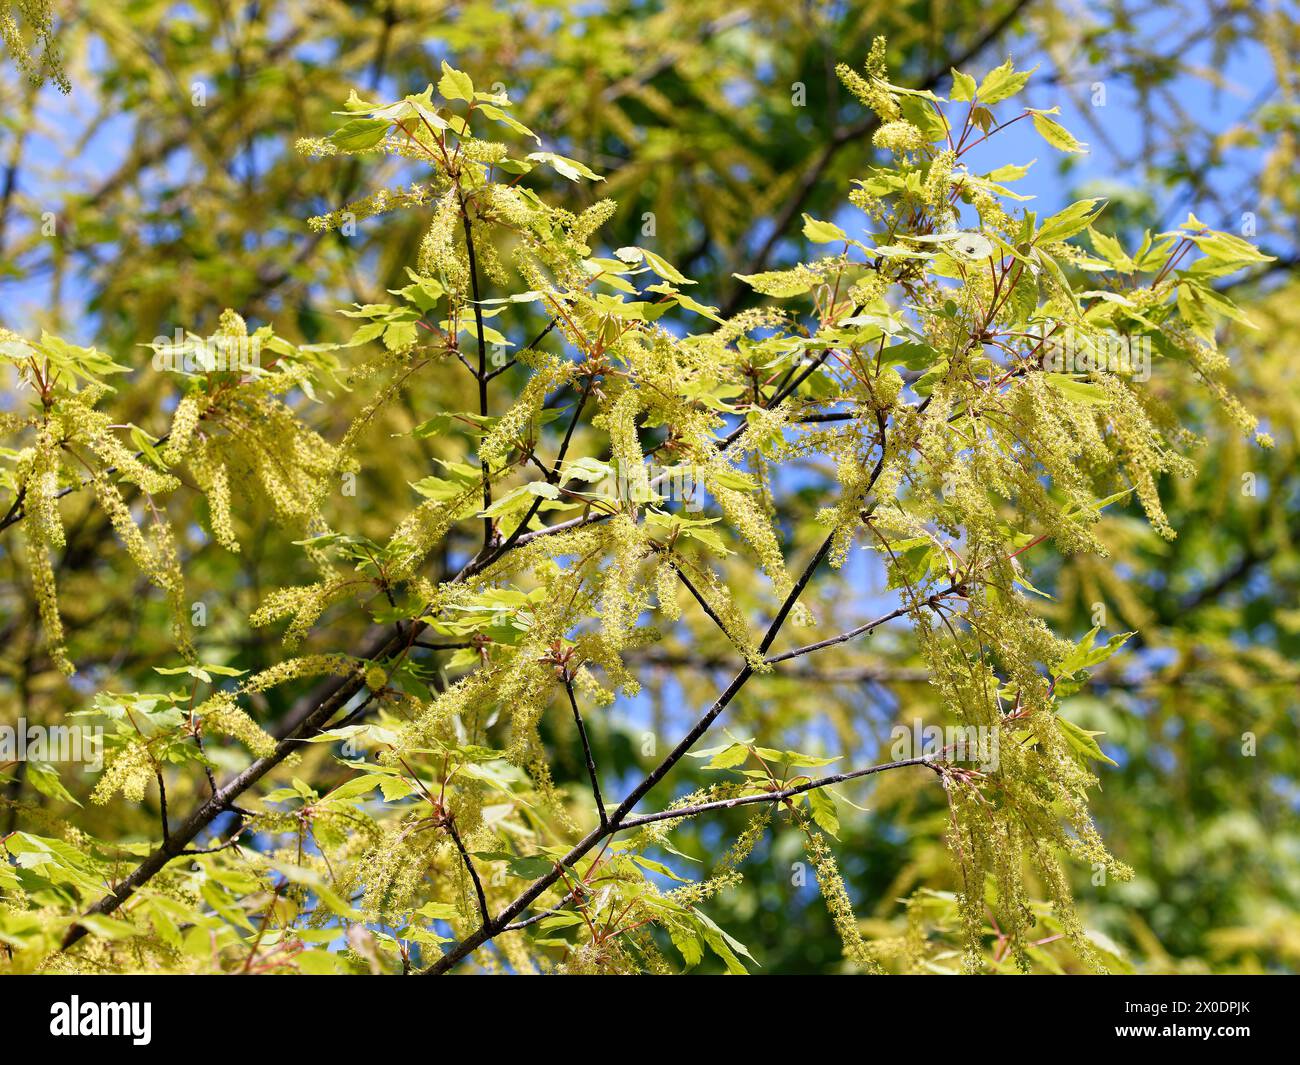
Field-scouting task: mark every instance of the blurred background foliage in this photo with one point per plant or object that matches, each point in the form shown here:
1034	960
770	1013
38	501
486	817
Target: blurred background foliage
165	187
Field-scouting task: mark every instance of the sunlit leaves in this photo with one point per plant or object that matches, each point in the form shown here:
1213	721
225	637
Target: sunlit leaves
822	232
963	87
566	167
360	134
897	401
1086	653
1075	218
1056	134
1002	83
454	84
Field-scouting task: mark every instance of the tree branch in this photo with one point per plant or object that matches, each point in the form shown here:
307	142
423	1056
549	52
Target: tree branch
482	353
699	598
491	929
775	796
844	637
586	750
473	873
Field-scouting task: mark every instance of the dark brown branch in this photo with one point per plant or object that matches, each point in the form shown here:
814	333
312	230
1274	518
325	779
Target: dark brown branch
495	927
233	841
866	627
864	675
774	796
473	873
699	598
482	354
527	347
683	812
162	806
525	922
586	750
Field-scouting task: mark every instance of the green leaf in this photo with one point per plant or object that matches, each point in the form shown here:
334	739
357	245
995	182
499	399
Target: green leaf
963	87
1228	248
657	867
1194	311
729	757
701	309
566	167
509	120
1085	654
107	927
399	336
357	786
74	362
439	911
822	807
1002	83
780	283
723	945
822	232
911	355
1065	224
1082	741
360	134
528	868
316	962
455	85
1111	250
1077	391
1057	135
45	779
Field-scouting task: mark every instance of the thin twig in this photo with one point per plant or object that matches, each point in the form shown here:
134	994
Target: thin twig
482	354
586	750
773	796
162	806
844	637
473	873
699	598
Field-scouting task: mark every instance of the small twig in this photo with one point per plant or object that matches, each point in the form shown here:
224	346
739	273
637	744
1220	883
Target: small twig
482	353
527	347
162	805
774	796
473	873
699	598
844	637
586	750
559	906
